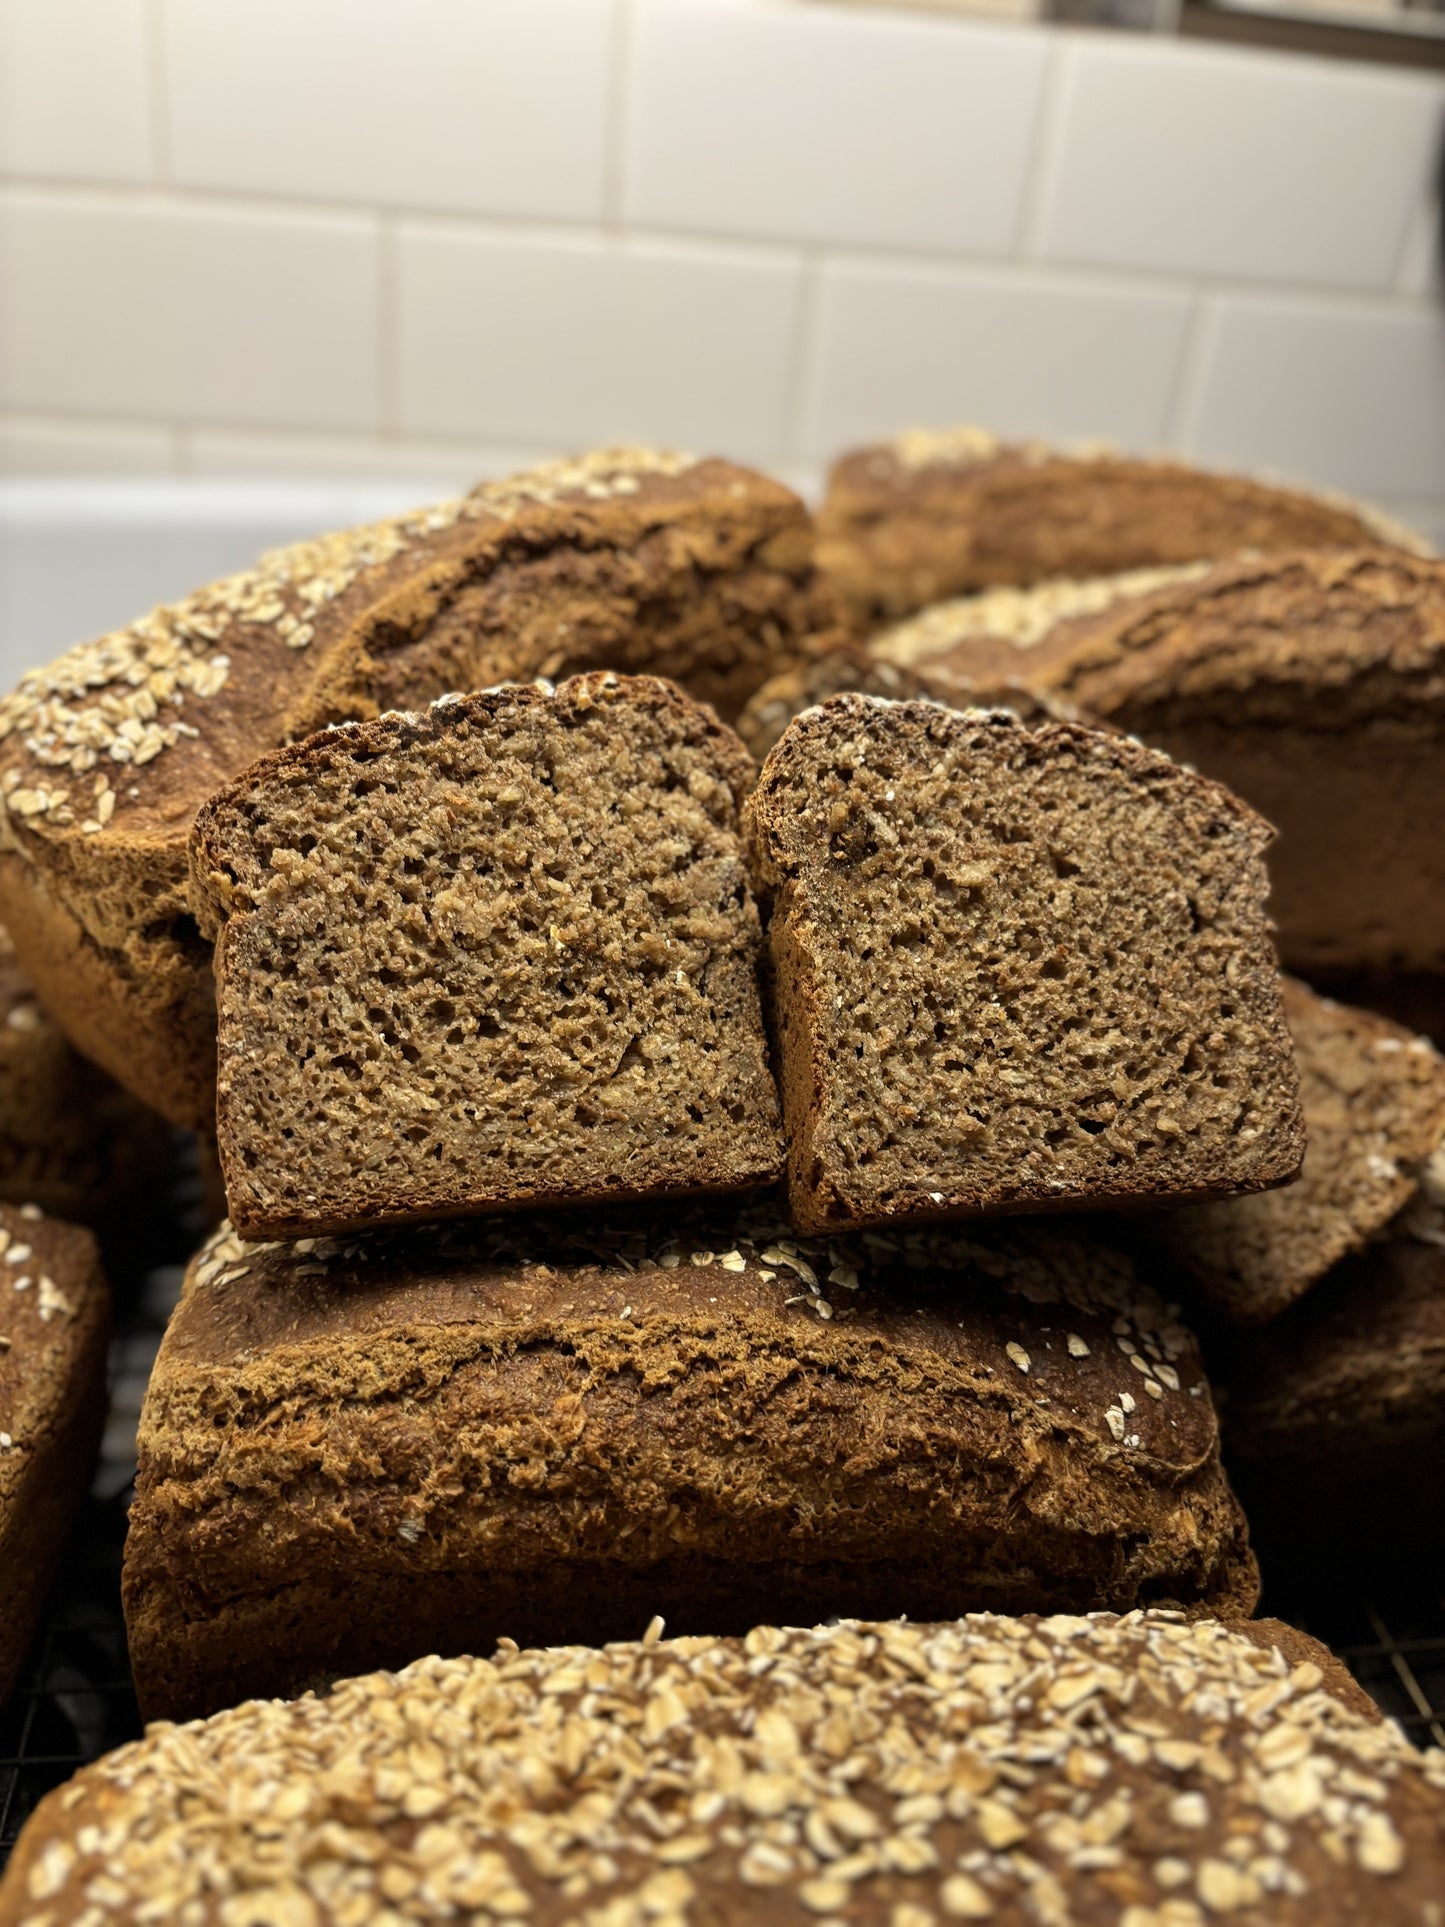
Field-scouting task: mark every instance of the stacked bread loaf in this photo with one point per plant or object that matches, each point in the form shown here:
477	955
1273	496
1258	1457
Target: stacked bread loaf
661	1189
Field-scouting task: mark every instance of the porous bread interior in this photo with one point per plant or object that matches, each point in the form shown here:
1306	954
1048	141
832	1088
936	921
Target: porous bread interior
502	953
1016	969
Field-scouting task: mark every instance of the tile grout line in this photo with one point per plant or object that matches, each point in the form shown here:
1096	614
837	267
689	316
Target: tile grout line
1043	161
803	356
388	328
158	89
615	120
1181	417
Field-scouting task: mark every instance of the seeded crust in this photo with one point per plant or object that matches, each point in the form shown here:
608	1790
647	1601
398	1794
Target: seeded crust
626	559
910	522
1335	1412
1313	686
498	954
1133	1772
1015	969
54	1323
352	1453
831	667
71	1141
1374	1107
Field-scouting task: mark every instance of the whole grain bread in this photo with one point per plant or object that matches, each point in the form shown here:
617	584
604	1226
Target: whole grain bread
1374	1108
71	1140
54	1323
1015	969
354	1452
625	559
498	953
1313	686
1133	1772
833	667
931	515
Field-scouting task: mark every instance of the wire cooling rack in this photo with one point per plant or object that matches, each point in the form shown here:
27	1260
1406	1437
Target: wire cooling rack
75	1699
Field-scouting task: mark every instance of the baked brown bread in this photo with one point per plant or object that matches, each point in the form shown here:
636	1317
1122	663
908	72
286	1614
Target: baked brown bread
1374	1107
54	1323
1314	687
930	515
1015	969
830	667
354	1452
624	560
1335	1412
498	953
71	1140
1133	1772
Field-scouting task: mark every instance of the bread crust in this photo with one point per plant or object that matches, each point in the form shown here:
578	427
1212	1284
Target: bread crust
638	560
351	1452
913	521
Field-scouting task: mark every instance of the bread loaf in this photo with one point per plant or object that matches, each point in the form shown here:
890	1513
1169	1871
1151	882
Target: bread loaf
1133	1772
353	1452
1016	969
931	515
626	559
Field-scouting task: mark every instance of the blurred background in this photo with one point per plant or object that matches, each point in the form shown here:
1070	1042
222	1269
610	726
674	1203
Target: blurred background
276	265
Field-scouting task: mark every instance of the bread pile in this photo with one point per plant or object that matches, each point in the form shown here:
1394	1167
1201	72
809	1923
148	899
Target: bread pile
664	1189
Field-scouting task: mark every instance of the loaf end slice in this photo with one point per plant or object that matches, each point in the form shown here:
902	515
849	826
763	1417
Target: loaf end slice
498	953
1016	969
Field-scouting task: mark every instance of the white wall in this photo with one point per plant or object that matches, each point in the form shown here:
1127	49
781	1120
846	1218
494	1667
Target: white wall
436	238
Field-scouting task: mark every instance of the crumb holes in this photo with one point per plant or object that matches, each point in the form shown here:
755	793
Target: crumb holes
1064	866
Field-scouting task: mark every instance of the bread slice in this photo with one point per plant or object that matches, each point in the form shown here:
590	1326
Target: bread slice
626	559
352	1452
1374	1108
931	515
498	953
1016	969
71	1140
54	1322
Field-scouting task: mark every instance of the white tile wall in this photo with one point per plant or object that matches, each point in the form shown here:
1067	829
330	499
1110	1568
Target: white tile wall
814	124
589	340
1229	163
493	106
75	100
134	307
419	240
1029	353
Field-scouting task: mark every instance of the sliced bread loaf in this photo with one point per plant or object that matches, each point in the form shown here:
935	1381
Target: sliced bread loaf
627	559
1016	969
498	953
931	515
1374	1108
355	1451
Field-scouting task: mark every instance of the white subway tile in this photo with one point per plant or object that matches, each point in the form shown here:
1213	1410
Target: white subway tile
1422	267
488	105
1017	351
830	125
149	309
74	96
1342	393
578	342
34	446
1182	158
442	467
1425	519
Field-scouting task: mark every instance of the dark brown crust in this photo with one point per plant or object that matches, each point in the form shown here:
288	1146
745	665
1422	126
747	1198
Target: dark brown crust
704	572
896	535
52	1410
575	1441
787	861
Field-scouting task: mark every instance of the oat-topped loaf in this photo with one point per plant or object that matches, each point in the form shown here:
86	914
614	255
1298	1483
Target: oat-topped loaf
1133	1772
354	1452
498	953
831	667
931	515
1374	1107
626	559
54	1323
1314	686
1335	1412
1016	969
71	1140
